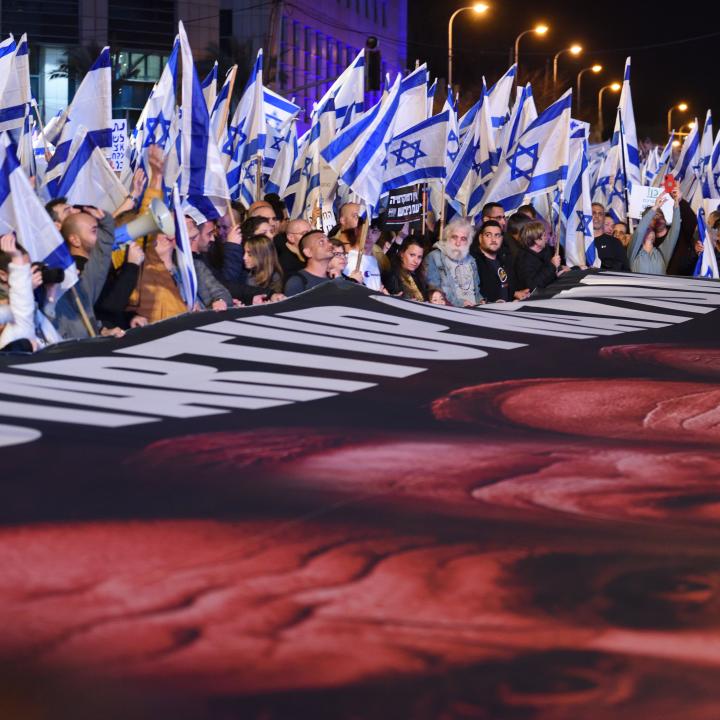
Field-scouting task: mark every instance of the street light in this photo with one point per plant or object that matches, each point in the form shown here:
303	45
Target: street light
615	87
538	30
682	107
596	69
573	50
478	8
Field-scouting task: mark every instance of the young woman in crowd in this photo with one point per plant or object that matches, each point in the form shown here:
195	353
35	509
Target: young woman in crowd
264	271
406	276
536	264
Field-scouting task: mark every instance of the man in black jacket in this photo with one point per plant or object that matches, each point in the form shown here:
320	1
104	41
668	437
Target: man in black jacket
610	250
497	278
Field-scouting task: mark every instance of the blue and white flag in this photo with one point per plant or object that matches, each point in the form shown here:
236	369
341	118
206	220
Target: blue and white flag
418	154
202	176
22	212
625	124
245	143
576	230
473	167
707	262
279	113
185	263
524	113
713	170
538	162
209	87
364	165
663	163
499	98
284	164
688	162
431	97
15	86
650	166
221	108
706	150
88	178
159	111
91	108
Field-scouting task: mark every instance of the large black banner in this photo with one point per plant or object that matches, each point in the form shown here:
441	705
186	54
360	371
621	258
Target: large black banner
346	505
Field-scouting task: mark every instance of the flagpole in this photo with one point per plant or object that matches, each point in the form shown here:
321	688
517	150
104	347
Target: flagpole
622	154
442	209
83	314
258	177
363	237
42	129
423	189
226	111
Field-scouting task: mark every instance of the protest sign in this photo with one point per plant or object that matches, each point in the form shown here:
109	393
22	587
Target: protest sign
644	196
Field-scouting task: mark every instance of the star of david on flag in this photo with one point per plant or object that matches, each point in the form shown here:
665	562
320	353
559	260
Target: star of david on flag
584	225
520	168
453	138
151	125
414	147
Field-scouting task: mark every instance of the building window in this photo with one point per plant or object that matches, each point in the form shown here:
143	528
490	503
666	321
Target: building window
384	14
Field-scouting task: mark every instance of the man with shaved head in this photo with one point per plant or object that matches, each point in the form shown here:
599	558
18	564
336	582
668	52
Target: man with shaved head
89	237
287	246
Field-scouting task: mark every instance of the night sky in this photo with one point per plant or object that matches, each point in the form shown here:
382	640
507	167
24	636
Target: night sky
675	55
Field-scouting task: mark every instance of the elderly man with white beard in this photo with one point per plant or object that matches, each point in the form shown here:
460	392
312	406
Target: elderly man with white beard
450	267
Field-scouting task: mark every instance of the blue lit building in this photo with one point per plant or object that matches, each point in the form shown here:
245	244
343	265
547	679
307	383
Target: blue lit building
310	42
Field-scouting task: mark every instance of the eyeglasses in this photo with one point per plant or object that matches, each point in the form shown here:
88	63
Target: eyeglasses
340	253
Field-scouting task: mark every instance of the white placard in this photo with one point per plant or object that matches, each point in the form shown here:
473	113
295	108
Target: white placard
644	196
119	142
328	218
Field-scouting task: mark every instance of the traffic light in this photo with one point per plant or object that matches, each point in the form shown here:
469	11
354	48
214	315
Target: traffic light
373	64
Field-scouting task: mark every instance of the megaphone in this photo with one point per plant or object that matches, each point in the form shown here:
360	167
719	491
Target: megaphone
157	219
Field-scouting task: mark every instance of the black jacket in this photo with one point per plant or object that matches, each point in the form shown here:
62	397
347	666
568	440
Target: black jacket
612	254
534	270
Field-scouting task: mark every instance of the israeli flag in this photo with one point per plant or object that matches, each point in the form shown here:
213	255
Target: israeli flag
209	87
245	145
88	178
706	149
650	166
538	162
22	212
431	98
417	154
625	124
707	266
576	231
202	176
279	113
713	170
363	170
159	111
688	161
221	108
91	108
663	163
473	166
524	114
499	98
186	266
346	95
284	164
15	86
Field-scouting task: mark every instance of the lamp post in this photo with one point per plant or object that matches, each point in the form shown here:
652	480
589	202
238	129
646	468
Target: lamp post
573	50
682	107
479	8
596	69
615	87
538	30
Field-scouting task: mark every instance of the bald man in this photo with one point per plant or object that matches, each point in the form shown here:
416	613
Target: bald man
287	246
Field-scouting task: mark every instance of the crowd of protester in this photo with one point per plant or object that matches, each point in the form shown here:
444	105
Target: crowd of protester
259	255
